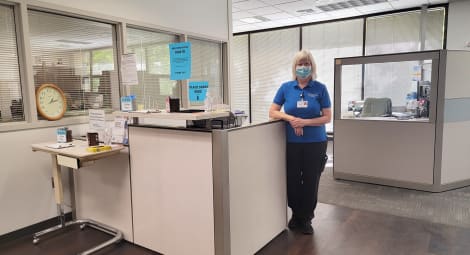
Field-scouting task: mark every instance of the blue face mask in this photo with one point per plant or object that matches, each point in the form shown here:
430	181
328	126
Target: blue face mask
303	71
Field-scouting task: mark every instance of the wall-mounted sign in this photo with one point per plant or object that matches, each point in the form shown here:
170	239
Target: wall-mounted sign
197	91
180	61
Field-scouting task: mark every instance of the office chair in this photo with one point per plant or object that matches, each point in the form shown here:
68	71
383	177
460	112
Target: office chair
377	107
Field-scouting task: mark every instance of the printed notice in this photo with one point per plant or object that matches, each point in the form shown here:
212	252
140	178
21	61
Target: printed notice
97	119
180	61
197	91
129	70
119	130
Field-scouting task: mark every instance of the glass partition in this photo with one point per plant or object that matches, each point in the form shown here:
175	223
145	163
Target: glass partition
392	87
153	67
77	55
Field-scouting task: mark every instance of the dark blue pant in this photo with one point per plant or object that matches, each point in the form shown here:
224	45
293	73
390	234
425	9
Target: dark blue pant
305	163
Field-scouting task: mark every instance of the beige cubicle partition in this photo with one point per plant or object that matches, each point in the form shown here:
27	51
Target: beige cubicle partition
208	192
424	152
103	193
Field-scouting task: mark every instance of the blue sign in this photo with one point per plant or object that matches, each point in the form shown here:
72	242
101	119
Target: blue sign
197	91
180	61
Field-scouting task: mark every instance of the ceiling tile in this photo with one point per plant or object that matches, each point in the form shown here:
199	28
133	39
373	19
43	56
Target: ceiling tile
438	1
241	15
243	28
275	2
290	21
293	6
402	4
264	10
251	20
367	9
351	12
315	17
268	24
249	4
238	23
278	16
284	12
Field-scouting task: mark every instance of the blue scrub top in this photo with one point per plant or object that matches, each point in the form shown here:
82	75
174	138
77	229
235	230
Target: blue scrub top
317	96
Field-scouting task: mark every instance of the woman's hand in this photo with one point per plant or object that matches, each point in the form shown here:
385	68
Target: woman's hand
297	122
299	131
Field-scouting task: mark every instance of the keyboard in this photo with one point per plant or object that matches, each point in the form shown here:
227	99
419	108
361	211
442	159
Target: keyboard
190	110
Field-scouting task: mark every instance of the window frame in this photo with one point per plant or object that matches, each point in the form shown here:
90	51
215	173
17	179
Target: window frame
80	113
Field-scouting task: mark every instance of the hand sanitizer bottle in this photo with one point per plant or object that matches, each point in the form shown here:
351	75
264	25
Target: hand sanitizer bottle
208	102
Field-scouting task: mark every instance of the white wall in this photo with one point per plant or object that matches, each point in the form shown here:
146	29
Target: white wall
26	196
458	31
204	17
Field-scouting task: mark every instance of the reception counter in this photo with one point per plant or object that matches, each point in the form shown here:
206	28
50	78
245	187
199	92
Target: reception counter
197	191
194	191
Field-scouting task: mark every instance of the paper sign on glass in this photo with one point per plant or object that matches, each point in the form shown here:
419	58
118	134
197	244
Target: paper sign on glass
180	60
129	70
97	119
197	91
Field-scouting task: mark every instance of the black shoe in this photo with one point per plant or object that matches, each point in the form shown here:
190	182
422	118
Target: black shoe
293	224
306	228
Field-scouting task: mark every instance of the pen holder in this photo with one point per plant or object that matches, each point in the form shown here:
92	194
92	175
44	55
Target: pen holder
174	104
92	138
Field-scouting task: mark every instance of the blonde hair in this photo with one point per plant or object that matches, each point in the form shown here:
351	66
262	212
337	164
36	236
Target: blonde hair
304	55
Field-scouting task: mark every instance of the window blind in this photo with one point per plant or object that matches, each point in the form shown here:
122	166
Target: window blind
206	65
79	56
335	40
272	54
11	102
400	32
240	89
153	67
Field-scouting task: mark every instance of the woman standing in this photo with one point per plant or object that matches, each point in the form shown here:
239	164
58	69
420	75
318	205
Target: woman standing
307	108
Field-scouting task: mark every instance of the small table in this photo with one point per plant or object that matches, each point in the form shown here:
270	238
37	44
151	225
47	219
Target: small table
75	157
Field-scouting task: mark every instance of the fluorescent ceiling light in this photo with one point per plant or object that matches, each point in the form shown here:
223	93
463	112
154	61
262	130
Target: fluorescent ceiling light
254	19
306	11
348	4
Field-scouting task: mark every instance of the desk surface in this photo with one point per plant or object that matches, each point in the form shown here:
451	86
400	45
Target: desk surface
421	120
79	150
174	115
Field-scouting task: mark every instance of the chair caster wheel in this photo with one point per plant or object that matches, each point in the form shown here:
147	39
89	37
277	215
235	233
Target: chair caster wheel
82	226
35	240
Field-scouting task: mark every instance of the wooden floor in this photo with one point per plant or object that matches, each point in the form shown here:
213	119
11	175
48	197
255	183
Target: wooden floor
338	230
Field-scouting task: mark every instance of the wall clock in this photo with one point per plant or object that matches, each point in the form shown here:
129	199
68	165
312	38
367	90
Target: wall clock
50	102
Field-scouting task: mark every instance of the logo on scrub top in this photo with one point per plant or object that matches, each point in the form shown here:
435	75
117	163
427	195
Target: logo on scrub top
312	95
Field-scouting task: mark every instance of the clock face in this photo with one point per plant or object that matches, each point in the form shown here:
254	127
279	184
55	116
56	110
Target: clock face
50	102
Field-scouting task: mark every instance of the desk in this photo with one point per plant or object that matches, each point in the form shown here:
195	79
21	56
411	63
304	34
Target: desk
75	157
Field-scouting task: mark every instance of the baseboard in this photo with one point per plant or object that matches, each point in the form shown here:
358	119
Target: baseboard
30	230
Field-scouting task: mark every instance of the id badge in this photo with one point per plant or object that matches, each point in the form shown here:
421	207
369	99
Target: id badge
302	104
